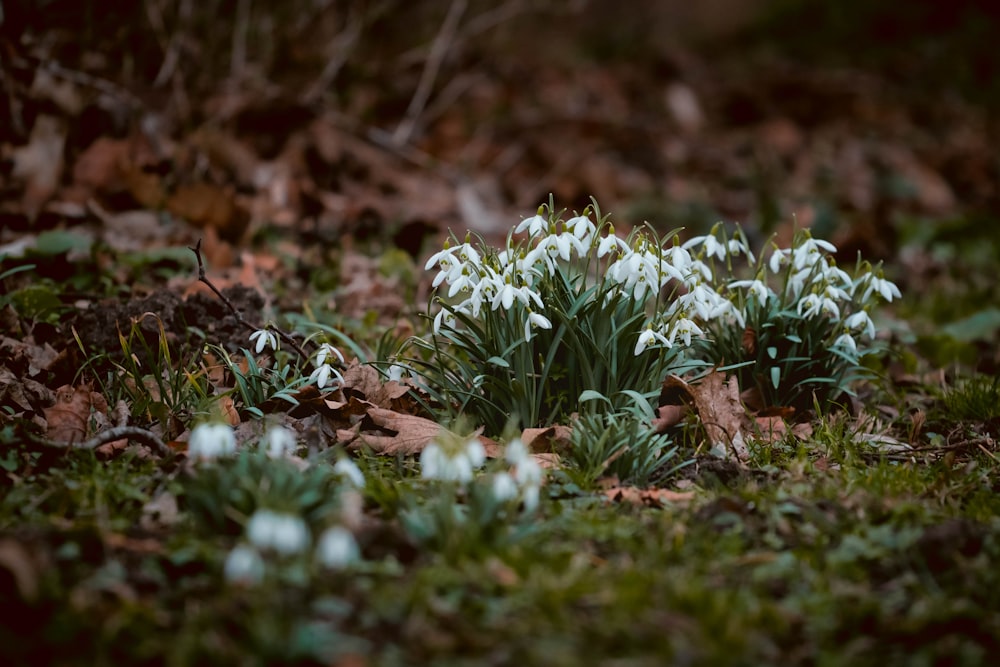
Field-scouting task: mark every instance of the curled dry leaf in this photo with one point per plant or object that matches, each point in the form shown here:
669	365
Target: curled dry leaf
388	432
716	399
556	438
67	420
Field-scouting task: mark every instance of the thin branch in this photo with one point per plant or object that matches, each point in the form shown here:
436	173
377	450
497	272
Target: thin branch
140	435
439	49
202	277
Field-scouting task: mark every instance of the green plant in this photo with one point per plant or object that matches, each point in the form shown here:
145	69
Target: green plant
976	398
803	340
153	383
622	443
222	496
524	330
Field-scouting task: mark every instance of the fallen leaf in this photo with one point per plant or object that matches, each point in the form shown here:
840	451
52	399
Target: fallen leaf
647	497
716	399
395	433
67	420
546	440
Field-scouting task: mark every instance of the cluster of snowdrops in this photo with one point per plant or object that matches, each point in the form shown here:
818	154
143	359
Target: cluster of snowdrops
567	306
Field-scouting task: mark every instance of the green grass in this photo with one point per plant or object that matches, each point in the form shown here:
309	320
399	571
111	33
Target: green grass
881	560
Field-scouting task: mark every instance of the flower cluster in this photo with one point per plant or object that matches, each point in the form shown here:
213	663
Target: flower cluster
286	535
637	269
568	306
523	481
802	339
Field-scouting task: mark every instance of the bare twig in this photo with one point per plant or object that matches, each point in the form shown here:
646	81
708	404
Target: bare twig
140	435
439	49
202	277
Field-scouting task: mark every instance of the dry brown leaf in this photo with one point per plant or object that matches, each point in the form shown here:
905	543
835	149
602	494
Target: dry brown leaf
395	433
67	420
648	497
716	399
367	382
554	438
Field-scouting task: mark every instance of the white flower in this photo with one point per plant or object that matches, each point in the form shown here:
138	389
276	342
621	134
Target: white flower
285	534
778	257
814	304
610	243
264	338
337	548
650	337
684	328
444	317
278	441
534	225
456	465
846	341
754	287
210	441
709	244
445	259
321	376
504	487
535	320
348	470
516	452
582	228
559	245
395	373
529	496
528	473
325	351
860	320
243	566
465	281
887	289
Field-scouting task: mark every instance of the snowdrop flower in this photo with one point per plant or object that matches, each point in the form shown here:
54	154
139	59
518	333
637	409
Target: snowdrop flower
468	255
814	304
325	351
452	464
710	245
650	337
558	245
243	566
337	548
446	261
846	341
264	338
684	328
887	289
464	282
535	225
286	534
395	373
755	287
278	441
508	294
322	375
348	470
504	487
860	320
535	320
582	228
778	257
516	452
444	317
610	243
210	441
